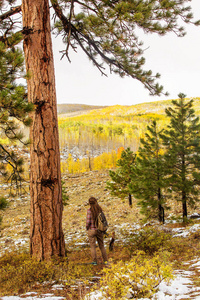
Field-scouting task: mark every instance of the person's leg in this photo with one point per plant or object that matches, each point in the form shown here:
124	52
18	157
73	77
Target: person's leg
92	241
99	236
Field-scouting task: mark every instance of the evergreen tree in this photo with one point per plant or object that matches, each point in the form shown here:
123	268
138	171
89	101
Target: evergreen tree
182	141
148	175
121	178
14	108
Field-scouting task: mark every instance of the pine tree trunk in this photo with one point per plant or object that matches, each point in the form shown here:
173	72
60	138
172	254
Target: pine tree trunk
184	200
46	235
161	215
184	205
130	200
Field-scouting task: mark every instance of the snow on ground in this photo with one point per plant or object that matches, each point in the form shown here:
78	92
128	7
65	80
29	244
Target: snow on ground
185	232
35	296
181	287
32	296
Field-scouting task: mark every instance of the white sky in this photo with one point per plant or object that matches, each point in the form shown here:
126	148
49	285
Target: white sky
176	59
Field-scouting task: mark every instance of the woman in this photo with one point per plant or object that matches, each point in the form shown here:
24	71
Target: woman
93	233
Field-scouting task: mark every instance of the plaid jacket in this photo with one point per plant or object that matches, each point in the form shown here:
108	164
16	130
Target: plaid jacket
90	224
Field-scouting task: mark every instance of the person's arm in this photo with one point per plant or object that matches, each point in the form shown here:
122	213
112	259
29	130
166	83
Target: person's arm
88	219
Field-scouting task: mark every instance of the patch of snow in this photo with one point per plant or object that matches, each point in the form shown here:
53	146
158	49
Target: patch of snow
180	232
20	242
95	296
185	232
44	297
181	287
178	286
30	293
194	228
57	287
194	216
196	265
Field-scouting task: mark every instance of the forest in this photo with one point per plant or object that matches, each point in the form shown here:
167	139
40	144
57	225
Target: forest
93	140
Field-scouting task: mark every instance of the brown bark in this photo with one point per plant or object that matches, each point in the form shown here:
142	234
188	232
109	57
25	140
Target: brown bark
46	235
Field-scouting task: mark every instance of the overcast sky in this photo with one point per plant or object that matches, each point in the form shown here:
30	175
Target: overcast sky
176	59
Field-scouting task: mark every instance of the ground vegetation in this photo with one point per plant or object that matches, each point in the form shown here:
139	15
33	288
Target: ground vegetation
105	31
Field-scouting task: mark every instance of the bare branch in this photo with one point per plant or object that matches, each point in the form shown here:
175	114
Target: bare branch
10	13
86	6
69	31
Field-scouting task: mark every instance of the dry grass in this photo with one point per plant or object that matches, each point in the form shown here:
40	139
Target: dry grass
121	218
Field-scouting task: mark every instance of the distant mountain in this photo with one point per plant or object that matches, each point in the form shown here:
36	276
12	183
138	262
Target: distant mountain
142	109
71	108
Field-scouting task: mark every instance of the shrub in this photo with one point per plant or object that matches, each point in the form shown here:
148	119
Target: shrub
3	203
20	271
149	240
139	277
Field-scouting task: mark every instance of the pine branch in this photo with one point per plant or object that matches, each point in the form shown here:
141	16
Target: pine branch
9	158
92	47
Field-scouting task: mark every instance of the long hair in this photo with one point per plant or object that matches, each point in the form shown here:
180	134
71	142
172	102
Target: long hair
94	207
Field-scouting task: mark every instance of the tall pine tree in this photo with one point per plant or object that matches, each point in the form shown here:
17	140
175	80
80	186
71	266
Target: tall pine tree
148	175
121	178
182	158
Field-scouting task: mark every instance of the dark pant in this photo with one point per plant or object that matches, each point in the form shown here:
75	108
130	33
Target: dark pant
94	235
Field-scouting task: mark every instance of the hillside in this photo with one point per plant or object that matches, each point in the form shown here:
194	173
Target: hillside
90	133
91	111
71	108
125	221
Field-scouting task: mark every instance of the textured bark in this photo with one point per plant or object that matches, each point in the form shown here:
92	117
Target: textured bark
46	235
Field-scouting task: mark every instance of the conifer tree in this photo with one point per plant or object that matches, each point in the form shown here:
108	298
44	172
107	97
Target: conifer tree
182	158
14	107
121	178
148	175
